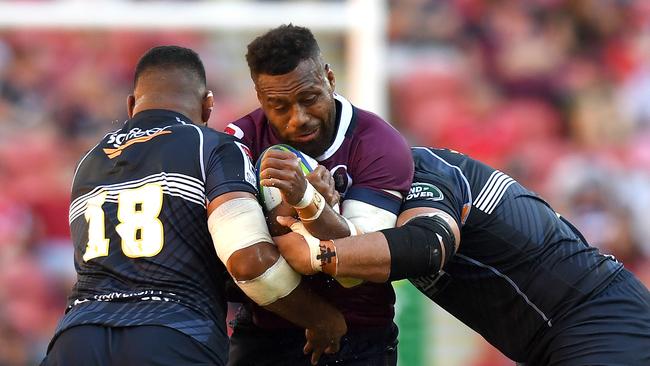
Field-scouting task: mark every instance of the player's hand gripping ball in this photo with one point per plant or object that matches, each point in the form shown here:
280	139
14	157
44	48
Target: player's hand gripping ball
270	197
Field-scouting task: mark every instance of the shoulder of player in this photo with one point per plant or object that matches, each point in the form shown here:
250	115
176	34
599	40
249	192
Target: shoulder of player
375	137
246	127
450	167
370	128
442	156
254	118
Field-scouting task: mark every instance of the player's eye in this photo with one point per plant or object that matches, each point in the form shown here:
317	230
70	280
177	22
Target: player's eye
277	106
310	99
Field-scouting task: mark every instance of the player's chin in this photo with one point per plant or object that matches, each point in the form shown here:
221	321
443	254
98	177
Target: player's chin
313	147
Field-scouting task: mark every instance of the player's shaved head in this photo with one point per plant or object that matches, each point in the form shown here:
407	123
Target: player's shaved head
163	58
171	77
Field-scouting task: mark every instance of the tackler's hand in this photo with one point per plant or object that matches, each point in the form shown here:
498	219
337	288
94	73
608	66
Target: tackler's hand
296	247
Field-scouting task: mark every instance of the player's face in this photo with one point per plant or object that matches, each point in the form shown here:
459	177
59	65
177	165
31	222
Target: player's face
300	105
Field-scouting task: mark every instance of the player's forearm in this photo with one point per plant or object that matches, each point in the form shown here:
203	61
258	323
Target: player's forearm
365	257
306	310
329	225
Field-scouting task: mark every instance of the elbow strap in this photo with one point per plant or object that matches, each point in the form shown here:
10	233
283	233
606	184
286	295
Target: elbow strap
416	247
278	281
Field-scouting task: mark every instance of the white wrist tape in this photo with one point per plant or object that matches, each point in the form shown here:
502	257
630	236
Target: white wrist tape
278	281
312	242
237	224
320	202
307	197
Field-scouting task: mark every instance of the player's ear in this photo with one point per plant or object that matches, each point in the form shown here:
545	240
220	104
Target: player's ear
207	106
330	76
130	105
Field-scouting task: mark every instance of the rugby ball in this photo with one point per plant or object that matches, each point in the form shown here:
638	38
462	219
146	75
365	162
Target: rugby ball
271	197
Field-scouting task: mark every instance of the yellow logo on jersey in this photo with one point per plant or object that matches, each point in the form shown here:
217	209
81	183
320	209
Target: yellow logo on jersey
113	153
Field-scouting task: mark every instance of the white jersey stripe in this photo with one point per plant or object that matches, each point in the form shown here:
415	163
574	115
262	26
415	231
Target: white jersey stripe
166	190
172	184
488	187
191	181
497	184
493	191
200	151
481	194
344	123
79	204
495	201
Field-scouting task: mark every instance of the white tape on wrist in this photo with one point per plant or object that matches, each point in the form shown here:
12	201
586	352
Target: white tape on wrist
320	202
312	242
276	282
307	197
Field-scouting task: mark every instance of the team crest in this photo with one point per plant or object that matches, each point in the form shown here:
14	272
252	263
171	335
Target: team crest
424	191
342	180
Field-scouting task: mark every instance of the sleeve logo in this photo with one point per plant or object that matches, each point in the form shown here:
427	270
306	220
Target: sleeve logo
424	191
249	168
234	130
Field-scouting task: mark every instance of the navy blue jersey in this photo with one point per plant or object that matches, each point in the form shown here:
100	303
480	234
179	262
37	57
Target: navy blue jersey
519	265
138	219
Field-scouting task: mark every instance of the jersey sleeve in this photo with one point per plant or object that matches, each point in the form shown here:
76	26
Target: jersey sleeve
228	167
440	184
382	162
243	129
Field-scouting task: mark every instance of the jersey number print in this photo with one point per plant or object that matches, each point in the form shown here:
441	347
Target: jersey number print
140	229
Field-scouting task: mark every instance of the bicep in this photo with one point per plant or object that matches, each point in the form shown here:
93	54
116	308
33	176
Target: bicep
239	234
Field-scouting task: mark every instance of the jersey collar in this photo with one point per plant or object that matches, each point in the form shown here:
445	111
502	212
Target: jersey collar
342	127
160	115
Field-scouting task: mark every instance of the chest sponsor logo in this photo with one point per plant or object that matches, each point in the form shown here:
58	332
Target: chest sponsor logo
123	140
424	191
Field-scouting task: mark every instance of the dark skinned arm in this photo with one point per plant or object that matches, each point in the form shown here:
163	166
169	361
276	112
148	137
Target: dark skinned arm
323	323
281	169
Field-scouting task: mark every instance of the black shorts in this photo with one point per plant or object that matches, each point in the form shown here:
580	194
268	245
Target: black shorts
253	346
125	346
610	328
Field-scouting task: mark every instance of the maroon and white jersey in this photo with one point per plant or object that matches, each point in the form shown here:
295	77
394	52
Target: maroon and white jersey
368	159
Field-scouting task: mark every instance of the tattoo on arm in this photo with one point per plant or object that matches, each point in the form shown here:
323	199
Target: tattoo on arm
328	259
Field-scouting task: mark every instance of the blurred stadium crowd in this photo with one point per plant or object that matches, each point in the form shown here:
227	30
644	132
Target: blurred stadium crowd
555	93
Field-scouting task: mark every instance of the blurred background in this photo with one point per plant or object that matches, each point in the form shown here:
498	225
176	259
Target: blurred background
554	92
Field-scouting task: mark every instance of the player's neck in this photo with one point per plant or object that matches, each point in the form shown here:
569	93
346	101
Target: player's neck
143	104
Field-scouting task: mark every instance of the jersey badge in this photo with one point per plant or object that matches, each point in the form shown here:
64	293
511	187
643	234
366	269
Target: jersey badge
424	191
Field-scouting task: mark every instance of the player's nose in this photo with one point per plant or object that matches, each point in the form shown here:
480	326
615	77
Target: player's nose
299	118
